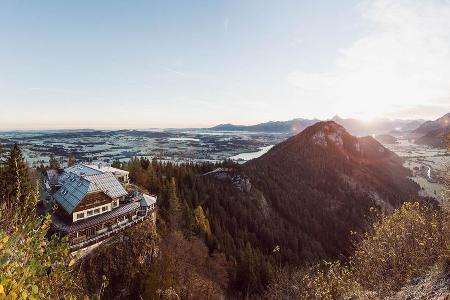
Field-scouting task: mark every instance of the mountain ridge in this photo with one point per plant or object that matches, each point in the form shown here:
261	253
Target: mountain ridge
354	126
322	173
432	133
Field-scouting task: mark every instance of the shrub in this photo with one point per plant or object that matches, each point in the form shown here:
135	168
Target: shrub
399	247
33	267
329	281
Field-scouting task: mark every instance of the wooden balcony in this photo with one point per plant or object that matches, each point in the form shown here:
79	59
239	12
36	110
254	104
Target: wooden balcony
83	241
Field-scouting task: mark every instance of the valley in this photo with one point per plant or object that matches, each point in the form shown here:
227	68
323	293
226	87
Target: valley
176	145
428	166
190	150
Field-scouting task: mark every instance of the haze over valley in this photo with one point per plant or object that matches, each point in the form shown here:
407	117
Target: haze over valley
407	138
190	150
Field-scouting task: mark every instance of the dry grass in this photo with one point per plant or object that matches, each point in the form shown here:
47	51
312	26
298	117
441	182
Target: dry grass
397	255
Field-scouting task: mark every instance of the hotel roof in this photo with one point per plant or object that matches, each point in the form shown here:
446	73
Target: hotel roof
75	187
104	169
81	169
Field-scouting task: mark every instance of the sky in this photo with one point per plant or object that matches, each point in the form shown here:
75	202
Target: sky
146	64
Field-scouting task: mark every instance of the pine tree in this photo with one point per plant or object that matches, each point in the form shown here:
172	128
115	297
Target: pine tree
188	218
71	161
116	164
33	266
18	187
174	202
202	221
53	162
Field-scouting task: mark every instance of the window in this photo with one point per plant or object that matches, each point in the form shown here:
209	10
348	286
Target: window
97	211
114	204
80	215
104	208
90	212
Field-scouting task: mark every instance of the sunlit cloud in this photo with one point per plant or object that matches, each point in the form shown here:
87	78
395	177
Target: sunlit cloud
402	61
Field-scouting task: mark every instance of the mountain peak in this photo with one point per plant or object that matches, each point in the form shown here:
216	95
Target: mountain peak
324	133
336	118
325	151
432	133
328	126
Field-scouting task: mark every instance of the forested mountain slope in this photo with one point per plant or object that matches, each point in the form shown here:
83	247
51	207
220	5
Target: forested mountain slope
320	184
296	205
433	133
305	196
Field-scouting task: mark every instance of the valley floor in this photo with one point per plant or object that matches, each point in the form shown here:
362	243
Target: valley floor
427	164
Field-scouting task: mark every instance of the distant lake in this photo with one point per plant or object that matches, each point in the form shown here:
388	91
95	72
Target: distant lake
183	139
251	155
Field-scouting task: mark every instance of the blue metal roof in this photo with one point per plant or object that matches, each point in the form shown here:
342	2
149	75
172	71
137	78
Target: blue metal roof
81	169
74	188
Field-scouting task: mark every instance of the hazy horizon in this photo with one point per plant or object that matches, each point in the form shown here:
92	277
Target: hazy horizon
153	64
371	121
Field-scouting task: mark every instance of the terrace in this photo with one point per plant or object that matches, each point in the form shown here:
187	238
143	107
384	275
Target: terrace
95	229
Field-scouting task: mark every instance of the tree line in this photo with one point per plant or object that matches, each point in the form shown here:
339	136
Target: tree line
32	264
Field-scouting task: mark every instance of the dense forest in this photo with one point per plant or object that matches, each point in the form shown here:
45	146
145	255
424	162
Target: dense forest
293	206
240	231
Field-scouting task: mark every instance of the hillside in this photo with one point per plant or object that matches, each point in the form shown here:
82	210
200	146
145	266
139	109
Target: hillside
433	133
304	196
354	126
224	229
327	152
386	139
378	126
292	126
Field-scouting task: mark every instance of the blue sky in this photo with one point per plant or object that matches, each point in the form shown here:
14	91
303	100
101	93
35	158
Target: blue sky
142	64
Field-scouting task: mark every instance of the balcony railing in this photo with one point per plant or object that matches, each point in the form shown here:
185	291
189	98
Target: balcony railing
83	241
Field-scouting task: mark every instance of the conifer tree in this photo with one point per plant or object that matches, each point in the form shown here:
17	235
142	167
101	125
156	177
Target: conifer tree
71	161
31	265
116	164
174	202
53	162
17	187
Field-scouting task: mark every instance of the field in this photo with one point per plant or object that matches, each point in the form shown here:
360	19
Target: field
187	145
169	145
429	165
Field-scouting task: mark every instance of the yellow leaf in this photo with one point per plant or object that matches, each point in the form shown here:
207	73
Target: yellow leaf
72	262
34	289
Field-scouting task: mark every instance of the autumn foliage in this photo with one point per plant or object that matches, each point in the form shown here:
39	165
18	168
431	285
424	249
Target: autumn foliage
398	248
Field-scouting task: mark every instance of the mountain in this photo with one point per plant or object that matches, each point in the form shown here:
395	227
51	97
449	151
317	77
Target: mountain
386	139
319	185
354	126
291	126
432	133
305	195
377	126
295	205
326	150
